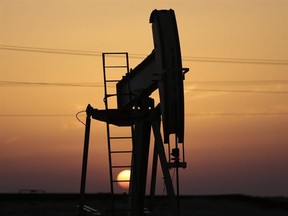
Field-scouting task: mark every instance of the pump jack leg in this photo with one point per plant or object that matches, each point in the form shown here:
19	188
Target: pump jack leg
85	160
142	133
163	161
153	176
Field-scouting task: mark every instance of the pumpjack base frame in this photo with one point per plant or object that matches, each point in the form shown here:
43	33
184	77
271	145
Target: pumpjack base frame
143	120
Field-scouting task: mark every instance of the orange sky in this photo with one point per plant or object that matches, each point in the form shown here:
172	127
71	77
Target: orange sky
236	113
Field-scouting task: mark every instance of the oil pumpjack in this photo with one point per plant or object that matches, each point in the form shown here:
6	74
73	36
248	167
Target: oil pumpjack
161	70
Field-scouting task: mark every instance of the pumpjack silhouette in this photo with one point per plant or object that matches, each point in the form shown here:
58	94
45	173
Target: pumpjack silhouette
161	70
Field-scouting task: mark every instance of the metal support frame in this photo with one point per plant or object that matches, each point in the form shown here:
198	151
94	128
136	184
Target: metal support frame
160	152
85	161
140	155
144	120
150	119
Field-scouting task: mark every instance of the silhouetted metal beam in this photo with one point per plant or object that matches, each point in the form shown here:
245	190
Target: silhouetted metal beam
161	69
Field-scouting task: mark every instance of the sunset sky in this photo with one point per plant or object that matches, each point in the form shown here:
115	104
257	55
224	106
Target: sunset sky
236	92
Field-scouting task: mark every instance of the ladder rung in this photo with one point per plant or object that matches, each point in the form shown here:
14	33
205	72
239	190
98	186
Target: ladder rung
121	166
117	152
116	66
112	80
123	137
115	53
121	180
110	95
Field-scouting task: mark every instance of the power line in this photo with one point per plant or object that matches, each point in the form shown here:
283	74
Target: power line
185	58
188	114
36	115
51	51
240	82
98	84
236	60
48	84
236	114
240	91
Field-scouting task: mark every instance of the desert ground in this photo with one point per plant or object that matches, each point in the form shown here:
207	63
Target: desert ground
66	205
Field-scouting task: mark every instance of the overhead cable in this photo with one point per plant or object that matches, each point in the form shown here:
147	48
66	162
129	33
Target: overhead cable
133	55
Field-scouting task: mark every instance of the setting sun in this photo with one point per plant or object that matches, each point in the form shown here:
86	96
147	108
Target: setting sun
123	177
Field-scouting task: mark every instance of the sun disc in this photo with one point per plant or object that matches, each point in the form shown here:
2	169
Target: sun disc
123	177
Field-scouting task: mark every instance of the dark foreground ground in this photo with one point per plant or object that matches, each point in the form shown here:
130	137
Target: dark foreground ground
66	205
